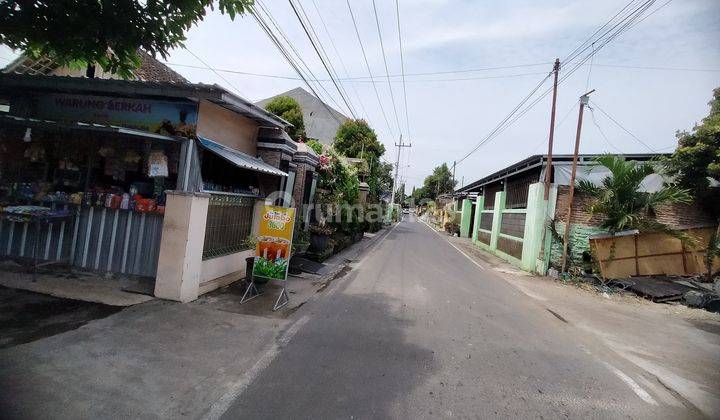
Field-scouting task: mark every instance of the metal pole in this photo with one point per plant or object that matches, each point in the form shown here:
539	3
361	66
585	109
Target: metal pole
548	169
583	101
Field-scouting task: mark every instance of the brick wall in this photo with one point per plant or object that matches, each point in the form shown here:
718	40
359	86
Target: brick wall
299	187
674	215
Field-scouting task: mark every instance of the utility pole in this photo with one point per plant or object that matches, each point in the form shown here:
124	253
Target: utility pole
453	177
548	169
583	102
397	167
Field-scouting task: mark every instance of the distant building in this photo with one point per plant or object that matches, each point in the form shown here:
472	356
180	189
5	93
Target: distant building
321	120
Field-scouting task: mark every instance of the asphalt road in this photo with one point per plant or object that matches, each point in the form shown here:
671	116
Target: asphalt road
417	330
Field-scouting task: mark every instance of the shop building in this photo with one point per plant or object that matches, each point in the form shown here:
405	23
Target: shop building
162	179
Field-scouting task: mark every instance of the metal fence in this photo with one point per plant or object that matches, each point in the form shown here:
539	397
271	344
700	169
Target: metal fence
229	222
98	239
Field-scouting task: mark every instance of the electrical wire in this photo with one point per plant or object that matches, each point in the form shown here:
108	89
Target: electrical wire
328	66
618	28
602	133
207	66
286	54
402	71
298	60
365	79
339	56
387	71
622	127
367	64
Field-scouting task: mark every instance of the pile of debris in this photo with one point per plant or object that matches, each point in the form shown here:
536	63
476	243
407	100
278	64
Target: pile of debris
688	290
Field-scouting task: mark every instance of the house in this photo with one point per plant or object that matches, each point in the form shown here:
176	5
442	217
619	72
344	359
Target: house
505	212
162	179
321	120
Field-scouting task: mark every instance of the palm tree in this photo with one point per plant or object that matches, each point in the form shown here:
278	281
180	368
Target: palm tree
619	199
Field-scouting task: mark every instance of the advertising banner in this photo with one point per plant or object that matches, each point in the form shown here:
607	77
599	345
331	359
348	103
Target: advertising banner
274	242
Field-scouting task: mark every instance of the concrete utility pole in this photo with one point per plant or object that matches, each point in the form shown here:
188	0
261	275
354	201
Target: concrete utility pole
453	178
397	167
583	102
548	169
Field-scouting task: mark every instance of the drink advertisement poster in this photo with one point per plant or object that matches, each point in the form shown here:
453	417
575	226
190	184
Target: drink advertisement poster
274	242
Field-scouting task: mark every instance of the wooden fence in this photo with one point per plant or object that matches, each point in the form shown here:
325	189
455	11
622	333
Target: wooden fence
651	254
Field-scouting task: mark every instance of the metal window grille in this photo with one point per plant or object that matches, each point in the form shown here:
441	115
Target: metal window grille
489	193
517	191
229	222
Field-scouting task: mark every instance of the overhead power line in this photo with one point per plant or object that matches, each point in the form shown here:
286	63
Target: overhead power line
295	57
595	104
339	56
207	66
367	64
325	62
366	79
615	30
602	133
402	71
286	54
387	71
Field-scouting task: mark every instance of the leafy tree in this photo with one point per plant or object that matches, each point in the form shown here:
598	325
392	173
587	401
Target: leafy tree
315	145
400	194
440	182
697	159
620	200
106	33
356	139
289	109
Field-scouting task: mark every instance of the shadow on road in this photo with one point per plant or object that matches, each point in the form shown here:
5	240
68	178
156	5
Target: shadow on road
352	359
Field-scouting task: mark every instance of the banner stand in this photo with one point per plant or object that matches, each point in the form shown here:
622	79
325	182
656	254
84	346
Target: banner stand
250	293
282	300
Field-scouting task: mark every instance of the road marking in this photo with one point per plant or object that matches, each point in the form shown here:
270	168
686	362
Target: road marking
237	388
472	260
640	391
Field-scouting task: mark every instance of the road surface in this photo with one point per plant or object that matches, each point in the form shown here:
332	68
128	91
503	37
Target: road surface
418	330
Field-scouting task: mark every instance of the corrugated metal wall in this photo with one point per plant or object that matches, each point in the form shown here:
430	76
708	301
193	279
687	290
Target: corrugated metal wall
99	239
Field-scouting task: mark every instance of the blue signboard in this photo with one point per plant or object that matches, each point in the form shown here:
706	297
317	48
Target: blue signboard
143	114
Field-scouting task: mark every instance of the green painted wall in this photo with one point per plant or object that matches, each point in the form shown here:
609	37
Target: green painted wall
479	204
465	219
497	218
534	224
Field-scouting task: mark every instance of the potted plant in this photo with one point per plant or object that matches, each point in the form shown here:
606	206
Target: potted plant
301	240
319	235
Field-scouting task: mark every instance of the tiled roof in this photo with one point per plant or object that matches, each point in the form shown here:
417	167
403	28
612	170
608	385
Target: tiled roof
153	70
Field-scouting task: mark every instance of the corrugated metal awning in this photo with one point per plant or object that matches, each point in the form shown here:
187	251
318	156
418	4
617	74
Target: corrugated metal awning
238	158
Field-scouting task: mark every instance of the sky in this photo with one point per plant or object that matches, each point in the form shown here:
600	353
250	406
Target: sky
449	117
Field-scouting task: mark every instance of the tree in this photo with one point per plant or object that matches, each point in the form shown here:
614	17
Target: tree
440	182
356	139
619	199
315	145
289	109
107	33
697	159
400	194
